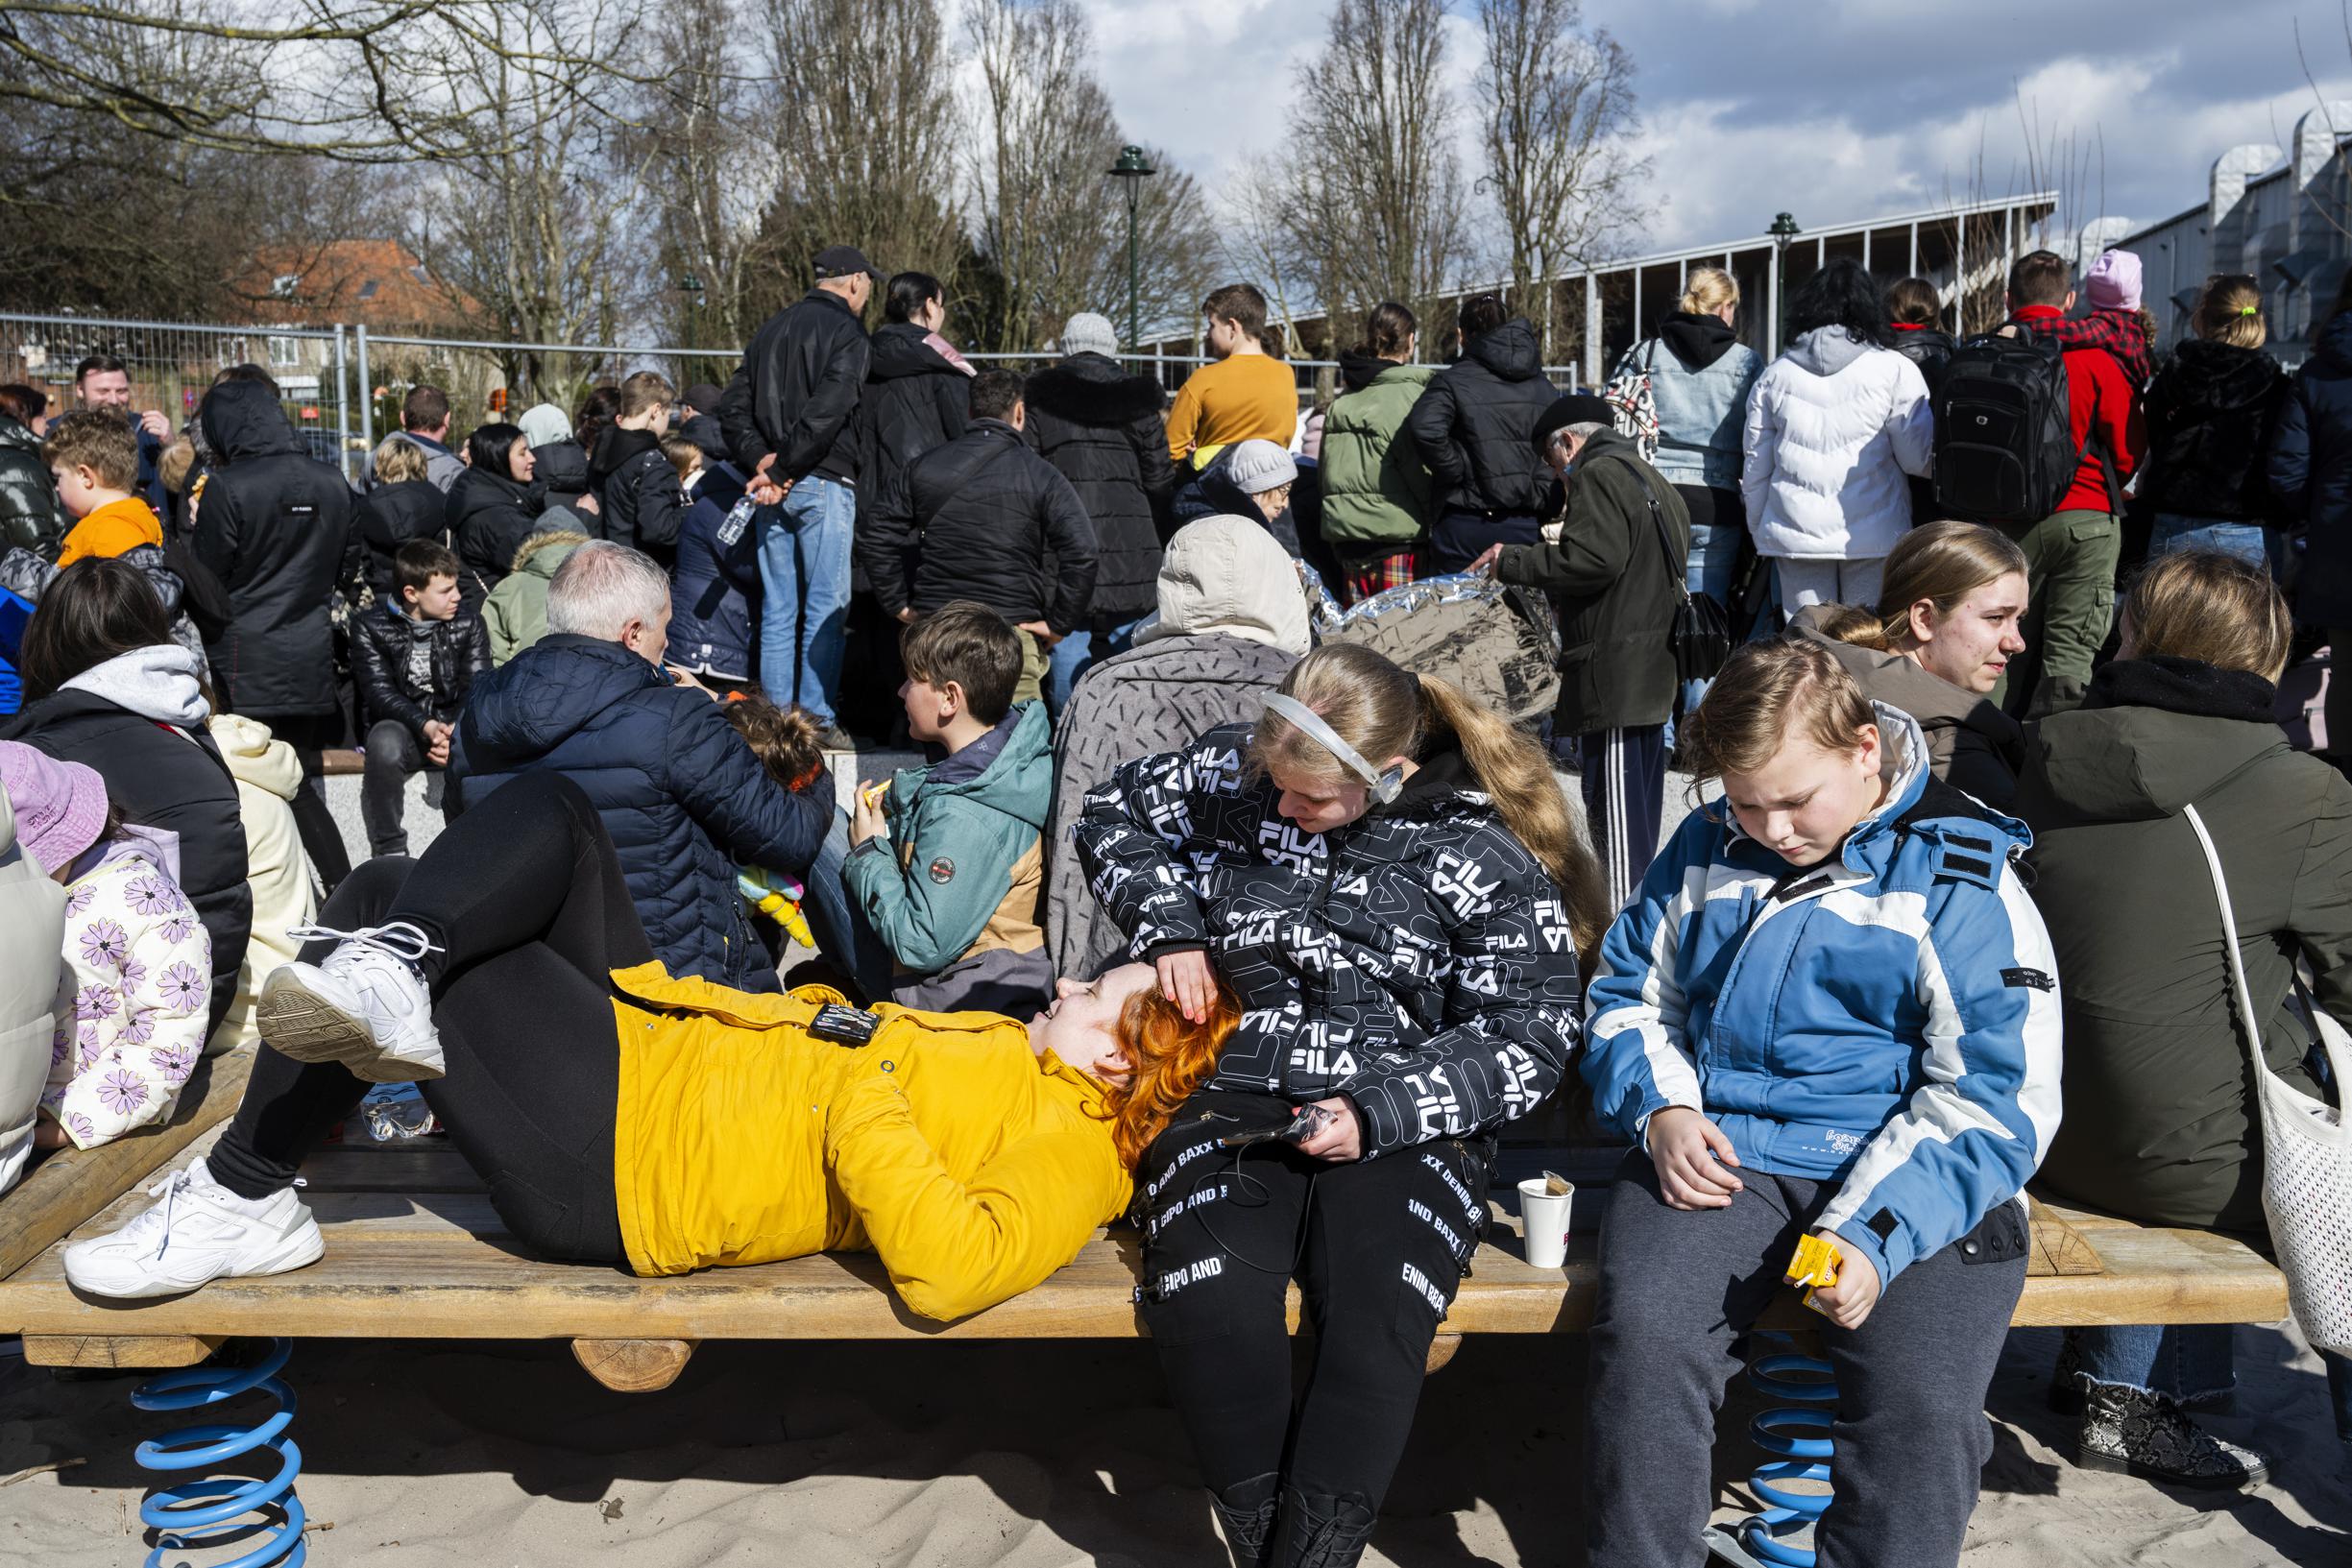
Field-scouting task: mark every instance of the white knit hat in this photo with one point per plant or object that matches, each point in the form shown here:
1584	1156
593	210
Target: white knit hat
1260	465
1088	333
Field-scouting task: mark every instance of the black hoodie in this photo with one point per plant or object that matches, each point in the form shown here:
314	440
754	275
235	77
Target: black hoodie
1476	425
2211	413
639	501
1106	432
275	527
1697	341
914	401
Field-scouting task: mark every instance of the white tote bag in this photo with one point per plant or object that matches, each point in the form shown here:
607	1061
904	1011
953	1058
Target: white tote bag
2306	1154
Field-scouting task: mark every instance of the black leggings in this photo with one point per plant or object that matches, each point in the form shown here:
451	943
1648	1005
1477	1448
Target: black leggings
526	896
1377	1247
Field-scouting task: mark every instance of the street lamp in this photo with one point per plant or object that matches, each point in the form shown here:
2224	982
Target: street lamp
1134	169
692	287
1783	229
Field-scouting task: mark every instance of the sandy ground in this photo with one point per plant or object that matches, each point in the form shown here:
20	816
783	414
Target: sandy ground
1026	1456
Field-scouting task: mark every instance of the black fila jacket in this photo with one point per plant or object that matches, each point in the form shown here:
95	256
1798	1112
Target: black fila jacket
1419	960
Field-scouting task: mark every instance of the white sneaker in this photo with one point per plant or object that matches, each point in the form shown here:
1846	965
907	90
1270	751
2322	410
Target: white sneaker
365	1006
200	1232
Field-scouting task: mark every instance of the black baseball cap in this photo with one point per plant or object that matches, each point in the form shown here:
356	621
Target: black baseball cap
845	261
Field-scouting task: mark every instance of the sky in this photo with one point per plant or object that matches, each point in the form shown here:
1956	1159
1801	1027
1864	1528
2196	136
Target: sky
1833	109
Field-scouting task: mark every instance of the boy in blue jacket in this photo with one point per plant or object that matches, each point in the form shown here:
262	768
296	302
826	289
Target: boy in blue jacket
946	863
1831	1013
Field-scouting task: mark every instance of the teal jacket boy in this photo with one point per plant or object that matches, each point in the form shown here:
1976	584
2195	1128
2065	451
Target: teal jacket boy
953	888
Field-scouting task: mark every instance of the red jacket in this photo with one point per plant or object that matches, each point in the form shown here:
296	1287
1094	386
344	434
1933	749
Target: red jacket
2104	401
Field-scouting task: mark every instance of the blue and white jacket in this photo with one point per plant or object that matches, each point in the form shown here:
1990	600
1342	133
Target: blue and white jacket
1887	1019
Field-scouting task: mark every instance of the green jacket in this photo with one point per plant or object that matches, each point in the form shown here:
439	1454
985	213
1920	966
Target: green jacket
1614	583
1375	485
969	870
2157	1126
516	613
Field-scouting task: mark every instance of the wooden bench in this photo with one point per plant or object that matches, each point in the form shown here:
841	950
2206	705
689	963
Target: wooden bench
414	1251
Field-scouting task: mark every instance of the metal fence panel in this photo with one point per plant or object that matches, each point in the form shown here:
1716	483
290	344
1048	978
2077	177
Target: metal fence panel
171	364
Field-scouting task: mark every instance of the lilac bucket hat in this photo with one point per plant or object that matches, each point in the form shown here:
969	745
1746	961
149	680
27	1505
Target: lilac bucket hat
60	808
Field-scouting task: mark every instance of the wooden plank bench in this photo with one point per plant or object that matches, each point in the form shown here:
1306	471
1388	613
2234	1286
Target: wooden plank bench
414	1251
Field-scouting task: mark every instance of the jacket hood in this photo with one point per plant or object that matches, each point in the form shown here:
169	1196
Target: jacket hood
530	704
1359	371
562	466
1009	770
1088	389
542	553
1698	340
614	446
899	349
158	847
2334	346
1229	576
2152	734
255	756
1890	677
2206	374
1511	351
242	420
543	425
156	683
1826	351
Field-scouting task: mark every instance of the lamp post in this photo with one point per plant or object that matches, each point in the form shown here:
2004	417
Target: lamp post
692	287
1783	229
1133	169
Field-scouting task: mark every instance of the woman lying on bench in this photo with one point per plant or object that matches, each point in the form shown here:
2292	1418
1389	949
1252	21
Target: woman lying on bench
620	1115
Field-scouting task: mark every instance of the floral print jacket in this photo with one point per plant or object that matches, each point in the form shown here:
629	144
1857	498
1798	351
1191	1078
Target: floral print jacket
132	995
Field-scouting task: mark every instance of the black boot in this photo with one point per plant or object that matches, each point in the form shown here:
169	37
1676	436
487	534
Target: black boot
1247	1510
1319	1532
2137	1432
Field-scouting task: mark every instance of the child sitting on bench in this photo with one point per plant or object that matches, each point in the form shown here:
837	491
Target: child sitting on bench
1829	1012
625	1117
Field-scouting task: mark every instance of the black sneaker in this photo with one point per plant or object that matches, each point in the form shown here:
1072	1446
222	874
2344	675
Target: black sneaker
2135	1433
833	737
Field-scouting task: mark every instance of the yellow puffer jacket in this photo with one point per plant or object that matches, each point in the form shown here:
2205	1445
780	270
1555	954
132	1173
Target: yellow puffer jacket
973	1168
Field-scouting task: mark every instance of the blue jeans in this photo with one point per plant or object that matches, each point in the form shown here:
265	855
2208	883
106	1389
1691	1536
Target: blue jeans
2249	541
2186	1363
841	930
804	583
1076	654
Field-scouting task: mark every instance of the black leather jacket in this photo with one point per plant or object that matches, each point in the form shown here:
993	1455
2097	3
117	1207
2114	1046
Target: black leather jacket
796	389
30	516
379	666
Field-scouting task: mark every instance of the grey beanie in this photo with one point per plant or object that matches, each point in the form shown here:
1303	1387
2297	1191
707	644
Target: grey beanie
1089	333
1259	465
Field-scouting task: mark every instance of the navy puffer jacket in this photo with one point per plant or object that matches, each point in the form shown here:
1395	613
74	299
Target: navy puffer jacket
2311	473
679	791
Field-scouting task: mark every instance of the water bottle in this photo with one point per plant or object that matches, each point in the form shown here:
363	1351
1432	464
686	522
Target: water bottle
737	518
396	1113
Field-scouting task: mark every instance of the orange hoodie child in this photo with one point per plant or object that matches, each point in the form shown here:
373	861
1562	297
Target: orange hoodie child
111	529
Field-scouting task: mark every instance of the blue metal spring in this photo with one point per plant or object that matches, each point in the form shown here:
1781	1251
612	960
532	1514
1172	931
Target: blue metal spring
1798	1435
198	1514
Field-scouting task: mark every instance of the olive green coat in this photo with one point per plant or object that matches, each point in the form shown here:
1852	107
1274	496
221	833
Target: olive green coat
1376	485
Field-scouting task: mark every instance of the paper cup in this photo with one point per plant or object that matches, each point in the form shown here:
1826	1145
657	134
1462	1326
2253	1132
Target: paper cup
1544	1218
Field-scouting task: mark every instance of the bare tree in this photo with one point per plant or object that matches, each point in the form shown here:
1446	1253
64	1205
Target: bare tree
713	172
1557	125
1378	196
359	81
861	137
1259	237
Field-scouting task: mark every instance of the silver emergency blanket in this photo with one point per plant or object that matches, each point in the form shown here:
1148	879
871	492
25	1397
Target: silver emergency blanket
1496	642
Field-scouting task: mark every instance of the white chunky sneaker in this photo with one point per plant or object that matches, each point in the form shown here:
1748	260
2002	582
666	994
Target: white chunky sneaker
198	1233
364	1005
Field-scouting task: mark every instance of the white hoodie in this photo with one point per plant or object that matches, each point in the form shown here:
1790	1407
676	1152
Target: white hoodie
1833	426
1227	575
158	682
268	773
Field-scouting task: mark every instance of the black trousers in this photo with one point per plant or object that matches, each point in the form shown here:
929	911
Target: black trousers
526	895
394	754
310	734
1377	1247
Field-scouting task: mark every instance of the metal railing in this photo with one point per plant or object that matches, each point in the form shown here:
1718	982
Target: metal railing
340	383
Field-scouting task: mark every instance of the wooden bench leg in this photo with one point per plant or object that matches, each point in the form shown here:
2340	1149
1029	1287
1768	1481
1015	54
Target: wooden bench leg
632	1366
106	1351
1440	1351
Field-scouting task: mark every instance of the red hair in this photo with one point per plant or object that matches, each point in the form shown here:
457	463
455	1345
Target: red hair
1173	1057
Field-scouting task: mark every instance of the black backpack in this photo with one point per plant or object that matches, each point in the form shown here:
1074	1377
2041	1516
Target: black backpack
2004	432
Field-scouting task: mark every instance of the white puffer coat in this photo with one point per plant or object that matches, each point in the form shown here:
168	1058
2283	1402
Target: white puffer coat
1833	426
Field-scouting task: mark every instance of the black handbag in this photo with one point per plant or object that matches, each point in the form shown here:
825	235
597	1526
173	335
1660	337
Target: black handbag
1702	635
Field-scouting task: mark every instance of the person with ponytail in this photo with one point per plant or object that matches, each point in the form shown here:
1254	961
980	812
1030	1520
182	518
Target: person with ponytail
2210	412
1387	876
1376	487
1940	638
1831	1015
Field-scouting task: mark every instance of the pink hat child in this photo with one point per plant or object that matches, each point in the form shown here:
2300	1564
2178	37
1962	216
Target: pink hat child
60	808
2113	282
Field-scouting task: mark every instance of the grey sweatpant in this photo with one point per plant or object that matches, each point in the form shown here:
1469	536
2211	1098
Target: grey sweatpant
1677	1286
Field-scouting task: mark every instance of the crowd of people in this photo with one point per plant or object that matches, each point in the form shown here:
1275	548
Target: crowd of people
1197	914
